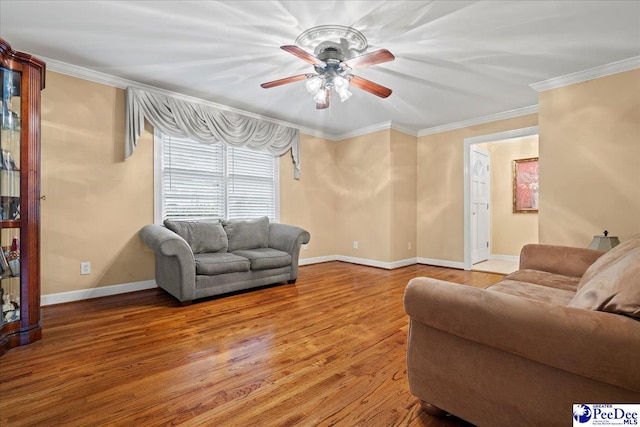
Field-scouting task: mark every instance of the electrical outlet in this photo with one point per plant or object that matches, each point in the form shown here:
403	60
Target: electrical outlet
409	246
85	267
355	244
305	246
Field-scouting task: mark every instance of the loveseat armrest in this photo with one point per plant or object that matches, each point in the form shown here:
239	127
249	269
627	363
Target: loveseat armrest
288	238
164	241
175	263
597	345
564	260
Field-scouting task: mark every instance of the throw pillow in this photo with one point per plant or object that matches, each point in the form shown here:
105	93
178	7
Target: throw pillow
609	258
615	288
247	234
202	236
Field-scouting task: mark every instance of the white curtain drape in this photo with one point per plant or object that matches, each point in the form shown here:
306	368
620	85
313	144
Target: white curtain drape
203	123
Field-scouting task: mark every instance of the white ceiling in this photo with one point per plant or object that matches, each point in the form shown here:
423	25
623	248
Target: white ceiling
455	60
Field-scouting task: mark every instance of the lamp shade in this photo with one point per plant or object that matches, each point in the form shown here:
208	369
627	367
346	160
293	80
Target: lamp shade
604	242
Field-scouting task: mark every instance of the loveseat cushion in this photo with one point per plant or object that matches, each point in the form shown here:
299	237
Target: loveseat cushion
543	278
613	281
533	291
265	258
202	236
247	234
220	263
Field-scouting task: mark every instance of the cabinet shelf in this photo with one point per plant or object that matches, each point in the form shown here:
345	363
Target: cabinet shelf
7	276
10	223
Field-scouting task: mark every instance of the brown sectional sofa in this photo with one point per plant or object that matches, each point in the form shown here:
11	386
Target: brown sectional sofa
562	330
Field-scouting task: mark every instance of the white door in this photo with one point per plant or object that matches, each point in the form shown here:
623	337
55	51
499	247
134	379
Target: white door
480	220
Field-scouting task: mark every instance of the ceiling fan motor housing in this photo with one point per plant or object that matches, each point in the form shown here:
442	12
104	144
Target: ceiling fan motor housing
333	58
331	53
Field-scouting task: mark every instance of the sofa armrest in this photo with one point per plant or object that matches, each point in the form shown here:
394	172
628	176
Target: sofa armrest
564	260
598	345
164	241
175	263
288	238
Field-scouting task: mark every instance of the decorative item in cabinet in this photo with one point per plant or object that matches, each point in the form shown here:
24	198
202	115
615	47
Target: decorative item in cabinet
22	78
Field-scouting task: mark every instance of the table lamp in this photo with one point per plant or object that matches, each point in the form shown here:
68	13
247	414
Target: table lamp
604	242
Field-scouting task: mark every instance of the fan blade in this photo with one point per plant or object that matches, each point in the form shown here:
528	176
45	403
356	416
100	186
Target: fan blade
303	54
284	81
325	103
370	86
368	59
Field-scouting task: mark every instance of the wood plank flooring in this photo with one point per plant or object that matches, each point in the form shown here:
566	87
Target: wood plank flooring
327	351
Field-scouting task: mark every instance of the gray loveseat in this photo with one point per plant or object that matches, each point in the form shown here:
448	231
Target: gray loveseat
197	259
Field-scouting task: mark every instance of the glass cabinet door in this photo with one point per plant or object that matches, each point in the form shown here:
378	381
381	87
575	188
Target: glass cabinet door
10	144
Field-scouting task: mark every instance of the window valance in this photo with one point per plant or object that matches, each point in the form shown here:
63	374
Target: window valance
204	123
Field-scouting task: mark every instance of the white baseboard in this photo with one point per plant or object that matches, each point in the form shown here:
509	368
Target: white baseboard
360	261
316	260
103	291
403	263
375	263
442	263
383	264
514	258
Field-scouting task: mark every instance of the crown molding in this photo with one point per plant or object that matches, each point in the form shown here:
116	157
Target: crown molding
315	132
370	129
363	131
590	74
480	120
122	83
403	129
87	74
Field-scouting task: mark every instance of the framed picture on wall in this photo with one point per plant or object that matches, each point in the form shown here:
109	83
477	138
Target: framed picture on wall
525	185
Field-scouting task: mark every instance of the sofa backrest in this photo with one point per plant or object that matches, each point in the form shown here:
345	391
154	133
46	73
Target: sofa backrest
247	234
202	236
209	236
612	283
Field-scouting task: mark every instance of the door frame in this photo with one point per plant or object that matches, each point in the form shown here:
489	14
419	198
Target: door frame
468	142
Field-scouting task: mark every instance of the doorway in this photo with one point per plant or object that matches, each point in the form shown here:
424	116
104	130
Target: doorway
473	228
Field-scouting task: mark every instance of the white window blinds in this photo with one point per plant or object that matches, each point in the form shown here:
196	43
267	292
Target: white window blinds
203	180
251	190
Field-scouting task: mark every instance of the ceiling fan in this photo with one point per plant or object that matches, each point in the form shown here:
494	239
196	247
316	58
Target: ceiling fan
335	48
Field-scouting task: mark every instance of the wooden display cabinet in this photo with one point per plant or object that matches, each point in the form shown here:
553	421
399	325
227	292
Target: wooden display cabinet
22	78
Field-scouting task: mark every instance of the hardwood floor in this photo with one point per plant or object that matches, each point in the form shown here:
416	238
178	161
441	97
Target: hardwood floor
327	351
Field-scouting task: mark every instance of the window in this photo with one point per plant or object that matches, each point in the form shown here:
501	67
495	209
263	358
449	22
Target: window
196	180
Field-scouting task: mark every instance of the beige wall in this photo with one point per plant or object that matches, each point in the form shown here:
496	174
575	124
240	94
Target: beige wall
440	200
510	231
311	201
95	201
403	196
361	189
366	188
590	159
363	211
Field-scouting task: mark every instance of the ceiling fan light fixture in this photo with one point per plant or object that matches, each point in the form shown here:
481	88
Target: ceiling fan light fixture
321	96
314	84
341	85
344	95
